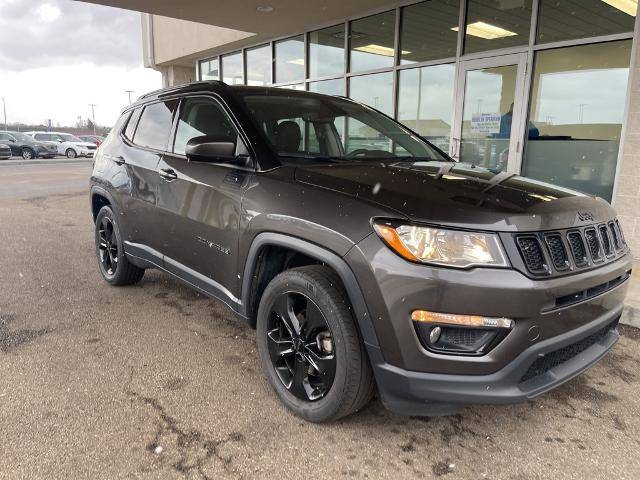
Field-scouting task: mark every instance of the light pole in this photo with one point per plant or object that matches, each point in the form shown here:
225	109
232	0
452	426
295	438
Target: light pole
4	108
93	116
129	92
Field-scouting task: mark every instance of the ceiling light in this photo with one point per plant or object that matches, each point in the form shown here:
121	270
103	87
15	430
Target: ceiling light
379	50
297	61
486	31
265	9
630	7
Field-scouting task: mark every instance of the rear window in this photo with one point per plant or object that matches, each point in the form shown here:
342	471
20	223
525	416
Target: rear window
154	126
131	124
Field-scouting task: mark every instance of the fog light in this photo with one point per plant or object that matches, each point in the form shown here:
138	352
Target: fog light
461	320
459	334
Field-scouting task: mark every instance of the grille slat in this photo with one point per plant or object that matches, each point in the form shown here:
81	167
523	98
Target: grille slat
614	235
606	241
578	249
594	244
558	253
532	254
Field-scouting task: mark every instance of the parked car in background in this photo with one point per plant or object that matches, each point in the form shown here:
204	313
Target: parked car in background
68	145
97	139
22	145
5	151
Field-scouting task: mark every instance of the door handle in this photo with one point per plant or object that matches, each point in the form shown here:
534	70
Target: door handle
168	174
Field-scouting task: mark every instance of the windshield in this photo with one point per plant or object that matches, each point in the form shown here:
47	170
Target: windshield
317	127
22	137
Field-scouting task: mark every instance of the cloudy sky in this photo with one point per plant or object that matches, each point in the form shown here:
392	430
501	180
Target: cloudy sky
58	56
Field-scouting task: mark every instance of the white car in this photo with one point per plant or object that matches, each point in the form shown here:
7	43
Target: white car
67	144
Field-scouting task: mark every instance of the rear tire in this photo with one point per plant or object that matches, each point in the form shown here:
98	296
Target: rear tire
313	289
28	154
114	265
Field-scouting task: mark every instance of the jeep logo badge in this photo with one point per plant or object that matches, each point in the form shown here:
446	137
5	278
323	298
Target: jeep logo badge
585	216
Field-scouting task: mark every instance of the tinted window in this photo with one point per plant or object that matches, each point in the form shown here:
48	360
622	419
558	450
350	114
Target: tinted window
493	24
566	19
5	136
131	125
154	125
290	60
201	116
426	32
326	52
372	42
42	136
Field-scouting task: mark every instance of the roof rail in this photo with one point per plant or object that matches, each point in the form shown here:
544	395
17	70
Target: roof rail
178	87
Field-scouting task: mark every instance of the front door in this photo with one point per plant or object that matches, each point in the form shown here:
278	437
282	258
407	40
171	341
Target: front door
199	203
489	109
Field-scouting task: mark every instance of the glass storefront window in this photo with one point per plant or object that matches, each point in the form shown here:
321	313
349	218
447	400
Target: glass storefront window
328	87
577	107
326	52
295	86
569	19
487	117
493	24
232	73
209	69
425	102
376	91
259	65
425	32
371	42
290	60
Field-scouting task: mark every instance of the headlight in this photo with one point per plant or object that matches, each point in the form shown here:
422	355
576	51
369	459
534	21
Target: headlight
454	248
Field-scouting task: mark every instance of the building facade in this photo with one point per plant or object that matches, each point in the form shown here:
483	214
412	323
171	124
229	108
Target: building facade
546	88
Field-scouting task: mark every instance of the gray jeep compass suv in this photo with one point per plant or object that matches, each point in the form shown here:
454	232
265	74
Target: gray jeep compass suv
366	259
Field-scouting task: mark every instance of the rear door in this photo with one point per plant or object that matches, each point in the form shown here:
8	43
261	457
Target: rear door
200	203
143	147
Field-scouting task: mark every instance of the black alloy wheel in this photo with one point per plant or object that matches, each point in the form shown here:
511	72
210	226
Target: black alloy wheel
309	345
115	267
301	346
107	246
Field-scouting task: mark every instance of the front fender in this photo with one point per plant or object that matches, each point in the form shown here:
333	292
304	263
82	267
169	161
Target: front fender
340	266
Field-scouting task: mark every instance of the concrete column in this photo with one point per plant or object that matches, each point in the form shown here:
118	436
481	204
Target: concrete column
627	195
177	75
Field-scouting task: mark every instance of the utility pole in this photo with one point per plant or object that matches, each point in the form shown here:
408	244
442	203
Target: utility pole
129	92
93	116
4	107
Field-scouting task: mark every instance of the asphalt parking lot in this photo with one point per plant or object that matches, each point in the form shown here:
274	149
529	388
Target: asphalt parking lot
157	381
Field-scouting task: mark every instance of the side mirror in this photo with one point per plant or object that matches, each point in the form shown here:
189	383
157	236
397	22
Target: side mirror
212	149
60	140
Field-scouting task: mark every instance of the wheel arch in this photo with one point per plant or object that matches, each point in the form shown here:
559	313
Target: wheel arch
100	198
253	285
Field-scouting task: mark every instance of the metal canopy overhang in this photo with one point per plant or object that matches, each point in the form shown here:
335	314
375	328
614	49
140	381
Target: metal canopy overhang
287	16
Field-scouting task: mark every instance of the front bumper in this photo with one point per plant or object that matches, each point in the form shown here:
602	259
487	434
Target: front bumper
414	380
419	393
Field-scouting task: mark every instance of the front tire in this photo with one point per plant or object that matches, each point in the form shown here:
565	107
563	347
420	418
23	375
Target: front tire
28	154
310	347
71	153
114	265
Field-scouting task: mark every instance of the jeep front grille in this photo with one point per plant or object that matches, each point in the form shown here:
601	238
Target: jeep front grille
564	251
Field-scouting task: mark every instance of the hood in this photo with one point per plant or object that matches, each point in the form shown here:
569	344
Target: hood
460	195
